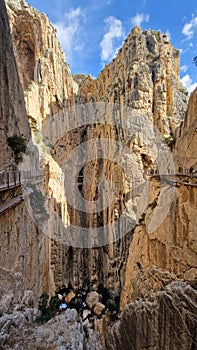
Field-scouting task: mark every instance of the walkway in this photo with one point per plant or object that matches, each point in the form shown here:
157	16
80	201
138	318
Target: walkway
175	178
11	191
13	179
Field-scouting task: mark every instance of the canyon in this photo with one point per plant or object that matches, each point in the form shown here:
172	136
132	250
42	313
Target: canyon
114	205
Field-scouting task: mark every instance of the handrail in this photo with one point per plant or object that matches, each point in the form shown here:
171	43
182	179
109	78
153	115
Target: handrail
10	179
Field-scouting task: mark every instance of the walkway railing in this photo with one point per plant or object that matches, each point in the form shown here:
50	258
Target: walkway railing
10	179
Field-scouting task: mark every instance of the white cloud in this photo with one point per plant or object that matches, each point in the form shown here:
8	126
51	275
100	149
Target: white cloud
189	28
69	31
168	34
187	82
184	68
139	19
108	44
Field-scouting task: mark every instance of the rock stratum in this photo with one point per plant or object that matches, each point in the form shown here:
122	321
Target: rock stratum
138	252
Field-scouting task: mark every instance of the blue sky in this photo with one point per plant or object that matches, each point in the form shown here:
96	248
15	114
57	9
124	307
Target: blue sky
90	31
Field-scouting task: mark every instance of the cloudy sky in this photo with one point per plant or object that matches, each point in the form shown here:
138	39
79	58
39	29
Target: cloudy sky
91	31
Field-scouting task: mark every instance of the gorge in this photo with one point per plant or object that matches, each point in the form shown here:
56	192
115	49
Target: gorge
108	201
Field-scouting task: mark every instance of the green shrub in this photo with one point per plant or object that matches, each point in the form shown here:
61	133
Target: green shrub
47	308
112	305
18	145
37	200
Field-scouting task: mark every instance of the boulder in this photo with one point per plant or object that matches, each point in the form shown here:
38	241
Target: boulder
69	297
92	299
99	308
86	313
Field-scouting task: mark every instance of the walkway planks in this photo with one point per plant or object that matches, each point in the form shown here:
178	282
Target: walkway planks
12	203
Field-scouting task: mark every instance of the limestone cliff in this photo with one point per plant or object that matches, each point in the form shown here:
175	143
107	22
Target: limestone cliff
145	76
142	81
122	123
160	253
13	117
48	88
43	72
22	244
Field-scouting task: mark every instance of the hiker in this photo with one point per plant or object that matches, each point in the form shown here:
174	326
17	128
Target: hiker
63	306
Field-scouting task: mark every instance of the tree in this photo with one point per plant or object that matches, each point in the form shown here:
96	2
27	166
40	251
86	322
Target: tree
18	146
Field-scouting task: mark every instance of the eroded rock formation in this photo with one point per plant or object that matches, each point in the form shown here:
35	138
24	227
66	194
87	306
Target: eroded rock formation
166	321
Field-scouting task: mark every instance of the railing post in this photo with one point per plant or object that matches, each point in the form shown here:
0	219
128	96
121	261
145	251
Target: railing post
15	178
8	185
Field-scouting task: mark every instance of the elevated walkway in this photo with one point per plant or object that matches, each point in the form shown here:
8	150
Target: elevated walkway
12	187
177	178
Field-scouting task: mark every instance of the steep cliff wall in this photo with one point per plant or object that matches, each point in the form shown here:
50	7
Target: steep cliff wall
139	90
48	89
22	245
161	253
144	78
13	118
141	82
43	72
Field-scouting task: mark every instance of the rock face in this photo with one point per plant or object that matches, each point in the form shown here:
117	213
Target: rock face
166	321
64	331
162	252
143	78
19	236
138	91
155	243
41	63
13	118
24	253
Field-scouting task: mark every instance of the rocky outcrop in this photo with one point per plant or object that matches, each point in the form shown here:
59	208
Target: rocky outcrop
64	331
144	76
167	320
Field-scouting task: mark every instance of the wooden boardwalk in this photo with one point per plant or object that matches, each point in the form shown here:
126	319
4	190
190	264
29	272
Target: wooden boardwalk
10	182
175	178
14	179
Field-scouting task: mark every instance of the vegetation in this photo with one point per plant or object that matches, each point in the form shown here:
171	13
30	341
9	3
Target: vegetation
170	139
112	305
156	33
47	308
153	204
142	219
18	145
183	90
37	201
